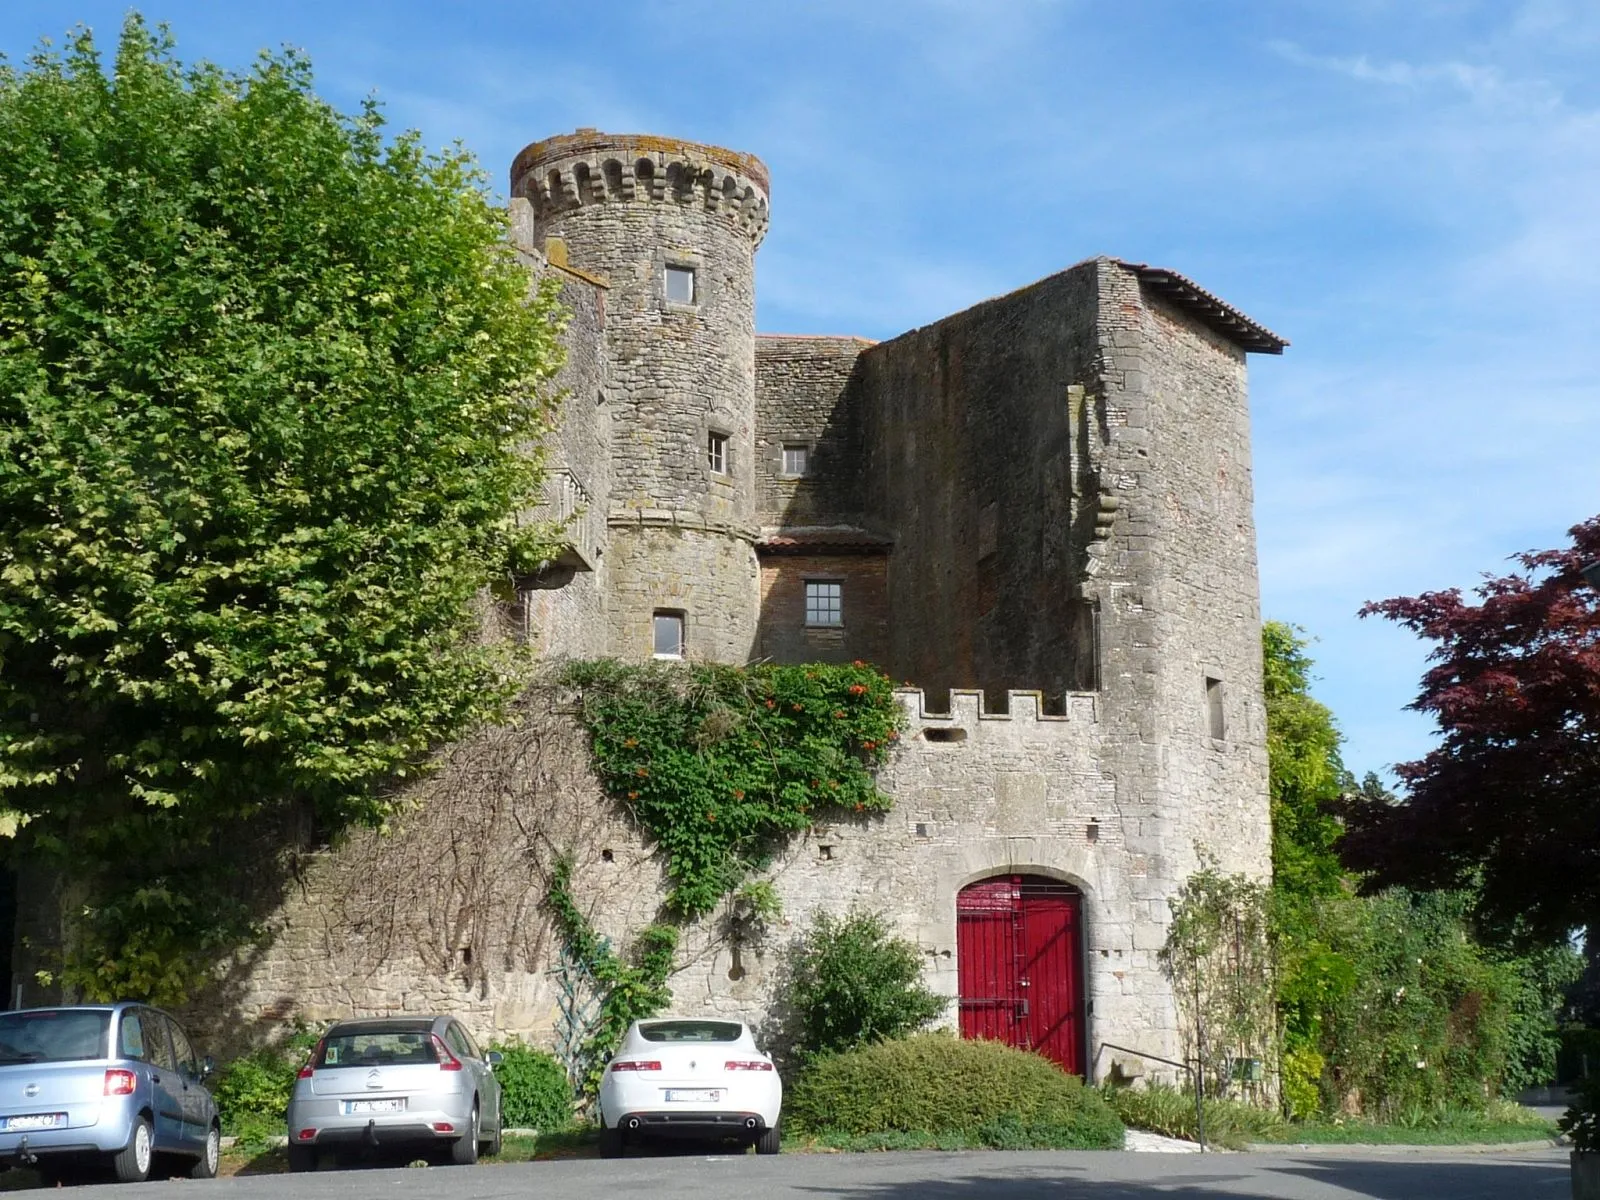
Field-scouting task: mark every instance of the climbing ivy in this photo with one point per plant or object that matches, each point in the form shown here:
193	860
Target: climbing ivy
718	763
627	993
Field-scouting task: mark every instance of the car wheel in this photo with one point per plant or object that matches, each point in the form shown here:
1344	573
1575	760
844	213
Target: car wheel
206	1166
771	1140
492	1147
302	1158
611	1144
132	1162
464	1150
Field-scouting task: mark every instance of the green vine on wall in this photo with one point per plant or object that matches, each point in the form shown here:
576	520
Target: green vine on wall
627	993
717	764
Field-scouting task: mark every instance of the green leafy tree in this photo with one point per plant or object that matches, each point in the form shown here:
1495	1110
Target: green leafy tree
1369	988
270	392
1306	773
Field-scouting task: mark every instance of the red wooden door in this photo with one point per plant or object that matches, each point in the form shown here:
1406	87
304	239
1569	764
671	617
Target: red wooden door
1018	962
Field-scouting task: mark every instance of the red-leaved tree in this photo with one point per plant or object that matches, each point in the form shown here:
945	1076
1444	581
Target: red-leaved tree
1509	803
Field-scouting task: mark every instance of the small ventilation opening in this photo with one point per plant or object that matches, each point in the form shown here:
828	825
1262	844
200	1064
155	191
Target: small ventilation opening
944	735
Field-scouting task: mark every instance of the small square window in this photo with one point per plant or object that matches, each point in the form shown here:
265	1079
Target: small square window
717	453
680	285
796	459
668	635
824	604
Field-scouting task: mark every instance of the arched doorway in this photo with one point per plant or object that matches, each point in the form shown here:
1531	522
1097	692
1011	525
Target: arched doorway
1019	964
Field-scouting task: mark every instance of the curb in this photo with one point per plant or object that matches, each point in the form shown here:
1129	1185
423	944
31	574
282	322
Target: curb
1404	1147
280	1140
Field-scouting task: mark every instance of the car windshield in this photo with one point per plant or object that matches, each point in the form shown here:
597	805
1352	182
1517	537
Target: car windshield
691	1031
377	1048
52	1035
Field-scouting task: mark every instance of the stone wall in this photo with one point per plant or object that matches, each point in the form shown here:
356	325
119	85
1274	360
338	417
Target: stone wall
708	575
627	208
444	914
563	609
973	458
802	400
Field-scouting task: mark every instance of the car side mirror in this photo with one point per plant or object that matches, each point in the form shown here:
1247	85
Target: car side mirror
495	1058
208	1067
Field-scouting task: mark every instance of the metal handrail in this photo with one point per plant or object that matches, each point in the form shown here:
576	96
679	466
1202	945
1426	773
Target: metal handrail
1190	1066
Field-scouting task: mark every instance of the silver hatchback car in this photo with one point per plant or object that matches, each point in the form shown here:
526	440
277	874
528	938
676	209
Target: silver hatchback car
390	1081
103	1085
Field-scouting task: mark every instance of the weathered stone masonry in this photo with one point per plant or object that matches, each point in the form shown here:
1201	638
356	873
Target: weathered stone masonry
1037	511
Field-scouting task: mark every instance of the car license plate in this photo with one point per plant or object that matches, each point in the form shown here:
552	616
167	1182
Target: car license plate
34	1121
694	1095
354	1107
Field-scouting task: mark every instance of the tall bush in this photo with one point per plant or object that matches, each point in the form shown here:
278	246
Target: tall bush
851	981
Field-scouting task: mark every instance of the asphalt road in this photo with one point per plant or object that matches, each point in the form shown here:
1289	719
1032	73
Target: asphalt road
1366	1174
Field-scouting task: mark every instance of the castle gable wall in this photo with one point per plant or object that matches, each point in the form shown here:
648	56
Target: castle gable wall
972	449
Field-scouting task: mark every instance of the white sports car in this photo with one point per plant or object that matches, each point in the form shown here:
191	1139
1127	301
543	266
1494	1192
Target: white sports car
680	1077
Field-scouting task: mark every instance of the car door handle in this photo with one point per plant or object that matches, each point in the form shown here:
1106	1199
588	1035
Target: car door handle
154	1078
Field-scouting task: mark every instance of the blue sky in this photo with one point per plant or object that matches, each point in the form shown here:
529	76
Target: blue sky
1409	190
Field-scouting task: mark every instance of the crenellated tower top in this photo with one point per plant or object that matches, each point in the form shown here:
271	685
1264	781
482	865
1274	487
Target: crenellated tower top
590	168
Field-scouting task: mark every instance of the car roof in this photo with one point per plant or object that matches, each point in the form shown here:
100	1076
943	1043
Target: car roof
407	1024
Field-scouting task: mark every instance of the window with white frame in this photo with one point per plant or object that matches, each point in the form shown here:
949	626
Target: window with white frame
824	602
717	453
796	458
680	284
668	632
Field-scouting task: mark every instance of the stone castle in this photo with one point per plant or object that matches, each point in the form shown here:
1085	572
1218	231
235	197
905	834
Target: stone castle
1037	512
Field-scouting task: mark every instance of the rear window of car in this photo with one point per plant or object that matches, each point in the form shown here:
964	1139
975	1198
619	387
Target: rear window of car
377	1048
691	1031
52	1035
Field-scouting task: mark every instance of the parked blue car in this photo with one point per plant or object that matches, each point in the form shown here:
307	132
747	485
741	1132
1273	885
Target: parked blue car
104	1085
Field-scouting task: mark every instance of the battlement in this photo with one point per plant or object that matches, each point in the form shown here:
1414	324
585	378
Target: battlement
965	713
591	168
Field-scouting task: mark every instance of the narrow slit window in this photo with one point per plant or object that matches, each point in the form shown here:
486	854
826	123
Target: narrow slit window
668	635
796	459
824	603
717	453
1214	718
680	285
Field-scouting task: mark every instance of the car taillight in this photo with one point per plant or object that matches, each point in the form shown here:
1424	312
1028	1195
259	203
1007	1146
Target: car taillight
754	1064
119	1083
635	1064
447	1061
311	1063
305	1135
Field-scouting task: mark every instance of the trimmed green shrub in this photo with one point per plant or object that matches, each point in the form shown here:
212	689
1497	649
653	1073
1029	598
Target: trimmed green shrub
935	1083
535	1091
1164	1109
851	981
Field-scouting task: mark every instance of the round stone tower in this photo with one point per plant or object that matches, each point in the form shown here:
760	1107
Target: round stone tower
672	227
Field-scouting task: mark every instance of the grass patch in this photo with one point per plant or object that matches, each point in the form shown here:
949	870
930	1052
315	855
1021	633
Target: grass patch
1501	1122
1162	1108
